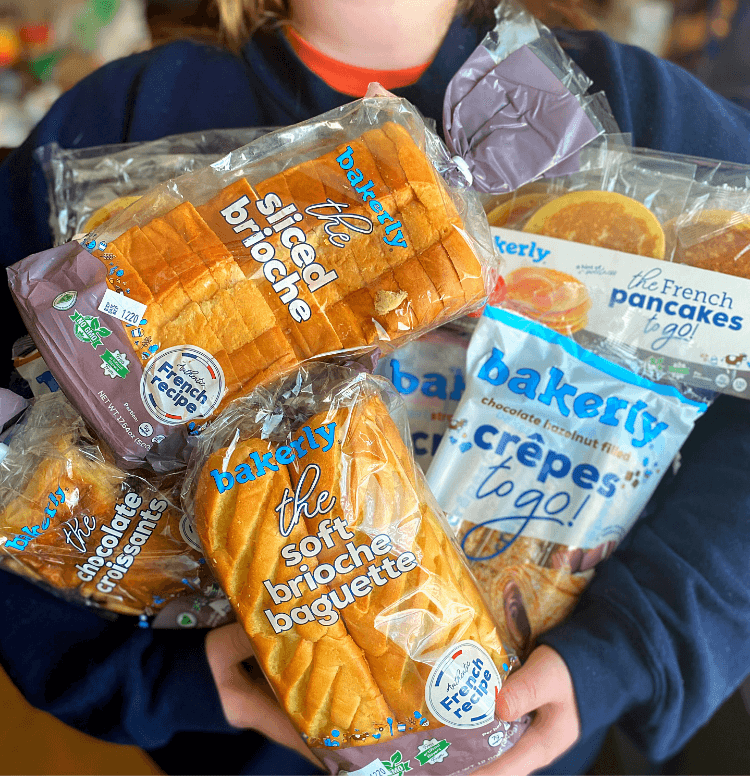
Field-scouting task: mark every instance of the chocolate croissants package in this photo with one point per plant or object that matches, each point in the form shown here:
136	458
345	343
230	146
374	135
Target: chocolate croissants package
335	235
552	456
361	610
83	528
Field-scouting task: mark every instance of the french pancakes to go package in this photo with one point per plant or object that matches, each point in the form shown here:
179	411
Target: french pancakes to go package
552	456
361	610
73	522
643	260
335	235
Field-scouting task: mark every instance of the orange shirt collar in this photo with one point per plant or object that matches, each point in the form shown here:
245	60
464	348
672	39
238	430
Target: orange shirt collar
349	79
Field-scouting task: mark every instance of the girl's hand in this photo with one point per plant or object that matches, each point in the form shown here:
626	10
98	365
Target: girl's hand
247	701
542	685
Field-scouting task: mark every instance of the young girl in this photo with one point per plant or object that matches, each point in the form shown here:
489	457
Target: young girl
662	635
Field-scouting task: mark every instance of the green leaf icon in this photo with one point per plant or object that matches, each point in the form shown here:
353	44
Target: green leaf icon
396	757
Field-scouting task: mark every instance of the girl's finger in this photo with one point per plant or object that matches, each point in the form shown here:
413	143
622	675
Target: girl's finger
553	731
543	678
227	647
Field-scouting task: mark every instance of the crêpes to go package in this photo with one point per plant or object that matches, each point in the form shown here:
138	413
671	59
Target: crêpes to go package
554	454
361	611
335	235
74	523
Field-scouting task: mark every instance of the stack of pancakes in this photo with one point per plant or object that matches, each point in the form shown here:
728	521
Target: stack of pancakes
558	300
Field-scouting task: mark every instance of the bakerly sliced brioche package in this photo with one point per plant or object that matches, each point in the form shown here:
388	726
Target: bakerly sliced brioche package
73	522
360	608
335	235
644	261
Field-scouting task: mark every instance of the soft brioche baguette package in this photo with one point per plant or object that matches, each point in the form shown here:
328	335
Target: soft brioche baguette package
645	263
80	527
335	235
553	454
361	611
86	186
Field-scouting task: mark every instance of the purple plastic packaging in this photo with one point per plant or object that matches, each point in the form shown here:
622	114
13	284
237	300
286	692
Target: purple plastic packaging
11	406
519	106
58	293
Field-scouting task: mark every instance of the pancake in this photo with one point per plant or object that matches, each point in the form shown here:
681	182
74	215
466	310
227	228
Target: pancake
104	213
602	218
553	298
514	211
717	240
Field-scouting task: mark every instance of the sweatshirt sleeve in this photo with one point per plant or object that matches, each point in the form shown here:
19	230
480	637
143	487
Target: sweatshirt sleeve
663	106
141	97
662	635
106	676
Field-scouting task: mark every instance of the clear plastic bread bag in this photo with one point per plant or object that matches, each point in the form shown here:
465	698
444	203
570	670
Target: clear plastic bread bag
360	608
87	531
86	186
553	454
333	236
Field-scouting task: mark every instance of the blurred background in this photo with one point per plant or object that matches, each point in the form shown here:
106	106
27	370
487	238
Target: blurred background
46	46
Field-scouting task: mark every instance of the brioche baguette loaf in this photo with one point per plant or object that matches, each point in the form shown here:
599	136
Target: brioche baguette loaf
317	671
381	496
372	665
51	528
383	256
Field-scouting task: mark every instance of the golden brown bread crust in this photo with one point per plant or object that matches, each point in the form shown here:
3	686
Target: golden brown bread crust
393	634
65	502
203	287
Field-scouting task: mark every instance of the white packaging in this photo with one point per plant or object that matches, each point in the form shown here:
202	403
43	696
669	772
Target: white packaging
429	375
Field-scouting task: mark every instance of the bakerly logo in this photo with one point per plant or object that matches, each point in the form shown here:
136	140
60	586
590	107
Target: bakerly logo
297	448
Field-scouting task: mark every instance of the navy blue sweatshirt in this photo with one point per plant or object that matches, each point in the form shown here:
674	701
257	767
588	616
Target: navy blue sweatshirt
662	635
